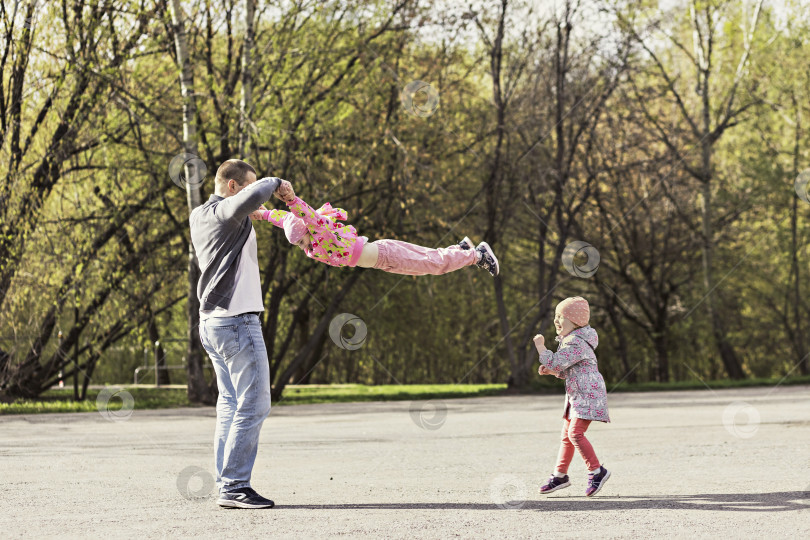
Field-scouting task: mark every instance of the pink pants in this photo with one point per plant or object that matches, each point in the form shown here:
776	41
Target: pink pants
399	257
573	436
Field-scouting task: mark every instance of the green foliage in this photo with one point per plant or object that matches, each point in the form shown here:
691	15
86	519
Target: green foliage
104	251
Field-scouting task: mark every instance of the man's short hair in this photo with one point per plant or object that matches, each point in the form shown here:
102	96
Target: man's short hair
233	169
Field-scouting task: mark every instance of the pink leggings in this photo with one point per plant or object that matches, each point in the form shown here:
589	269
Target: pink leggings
573	436
399	257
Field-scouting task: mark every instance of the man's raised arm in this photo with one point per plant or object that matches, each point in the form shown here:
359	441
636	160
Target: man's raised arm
250	198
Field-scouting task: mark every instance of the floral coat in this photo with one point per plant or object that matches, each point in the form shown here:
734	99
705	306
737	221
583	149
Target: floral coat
333	243
575	361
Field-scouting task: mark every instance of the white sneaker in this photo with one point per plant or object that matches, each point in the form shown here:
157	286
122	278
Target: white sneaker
466	243
488	261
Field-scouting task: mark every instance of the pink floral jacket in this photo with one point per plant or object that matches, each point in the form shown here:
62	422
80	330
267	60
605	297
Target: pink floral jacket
333	243
575	361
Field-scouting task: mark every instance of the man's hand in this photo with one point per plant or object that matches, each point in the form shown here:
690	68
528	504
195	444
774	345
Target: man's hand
257	214
540	343
285	192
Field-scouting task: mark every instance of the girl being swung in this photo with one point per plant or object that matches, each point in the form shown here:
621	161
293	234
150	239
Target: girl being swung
324	239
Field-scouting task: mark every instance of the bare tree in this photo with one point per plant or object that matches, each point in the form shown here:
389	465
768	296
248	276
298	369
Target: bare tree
715	114
65	124
567	94
794	297
497	171
649	257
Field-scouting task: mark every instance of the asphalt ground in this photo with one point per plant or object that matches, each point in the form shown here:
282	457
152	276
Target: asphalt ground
726	463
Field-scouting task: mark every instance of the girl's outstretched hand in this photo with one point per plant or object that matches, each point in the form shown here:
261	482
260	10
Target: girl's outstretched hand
540	343
258	214
543	370
285	192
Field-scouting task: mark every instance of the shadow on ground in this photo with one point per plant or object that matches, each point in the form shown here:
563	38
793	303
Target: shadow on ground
784	501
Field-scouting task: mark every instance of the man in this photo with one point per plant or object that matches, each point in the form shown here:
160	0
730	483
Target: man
230	304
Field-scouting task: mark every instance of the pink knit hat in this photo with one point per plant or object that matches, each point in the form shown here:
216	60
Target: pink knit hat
294	228
575	309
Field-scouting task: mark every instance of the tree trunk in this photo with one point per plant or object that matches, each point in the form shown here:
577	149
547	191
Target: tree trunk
247	81
154	337
621	338
727	354
303	337
314	360
518	376
804	368
305	353
661	355
198	390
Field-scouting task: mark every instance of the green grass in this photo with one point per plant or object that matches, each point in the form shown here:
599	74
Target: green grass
553	385
388	392
60	401
714	385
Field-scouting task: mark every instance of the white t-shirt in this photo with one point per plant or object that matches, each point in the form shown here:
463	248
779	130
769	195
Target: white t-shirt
247	296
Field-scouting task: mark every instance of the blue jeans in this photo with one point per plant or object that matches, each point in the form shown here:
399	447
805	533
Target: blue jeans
236	348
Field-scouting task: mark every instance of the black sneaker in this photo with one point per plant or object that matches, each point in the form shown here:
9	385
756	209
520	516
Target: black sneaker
466	244
596	481
554	484
244	497
488	261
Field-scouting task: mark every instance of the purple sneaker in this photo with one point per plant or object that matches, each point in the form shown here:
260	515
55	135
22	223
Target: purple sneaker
596	481
554	484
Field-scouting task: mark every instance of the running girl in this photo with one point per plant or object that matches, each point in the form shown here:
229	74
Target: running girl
585	392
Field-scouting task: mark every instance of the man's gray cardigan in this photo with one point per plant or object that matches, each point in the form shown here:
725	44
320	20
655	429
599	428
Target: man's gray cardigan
219	229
